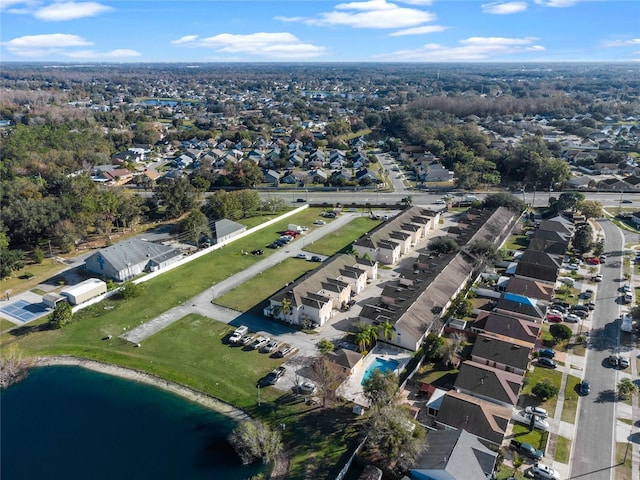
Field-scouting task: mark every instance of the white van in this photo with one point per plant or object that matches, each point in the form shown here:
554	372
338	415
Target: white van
567	281
239	332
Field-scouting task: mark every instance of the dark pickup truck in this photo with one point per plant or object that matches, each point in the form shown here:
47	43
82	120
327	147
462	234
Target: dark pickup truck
526	449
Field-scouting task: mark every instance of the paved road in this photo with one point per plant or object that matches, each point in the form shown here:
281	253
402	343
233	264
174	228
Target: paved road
593	456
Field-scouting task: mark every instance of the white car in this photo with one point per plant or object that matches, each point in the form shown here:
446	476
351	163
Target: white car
260	342
572	266
545	471
572	318
319	222
623	362
539	411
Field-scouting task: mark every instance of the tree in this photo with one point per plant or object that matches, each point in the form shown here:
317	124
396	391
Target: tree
432	347
177	195
583	238
195	226
451	350
328	377
392	434
568	201
13	367
484	251
253	440
387	330
544	390
443	244
131	290
504	199
381	388
325	346
560	332
590	208
61	316
626	388
461	307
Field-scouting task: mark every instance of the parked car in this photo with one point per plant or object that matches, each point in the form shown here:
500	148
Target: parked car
316	258
257	251
626	288
319	222
544	472
588	293
603	259
559	307
582	313
623	362
273	376
526	449
306	388
591	305
584	388
572	266
283	352
593	261
546	352
613	360
274	245
546	362
300	255
597	278
260	342
553	318
572	318
539	411
270	347
576	308
247	340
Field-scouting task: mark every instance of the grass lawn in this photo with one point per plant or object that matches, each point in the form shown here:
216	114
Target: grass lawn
516	242
570	405
437	375
541	375
563	448
579	349
6	324
535	437
628	421
508	473
339	240
623	462
251	293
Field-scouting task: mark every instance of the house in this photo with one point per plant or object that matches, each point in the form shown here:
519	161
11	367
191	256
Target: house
613	184
225	229
366	174
313	297
530	288
521	307
350	362
129	258
438	173
538	266
454	455
492	384
506	327
486	420
271	176
508	355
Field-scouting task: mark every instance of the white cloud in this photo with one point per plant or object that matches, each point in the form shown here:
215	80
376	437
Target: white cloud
472	49
50	40
62	45
9	4
419	30
417	2
372	14
507	8
60	11
623	43
185	39
281	45
556	3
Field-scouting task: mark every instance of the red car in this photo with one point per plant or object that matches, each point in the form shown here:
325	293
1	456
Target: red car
593	261
554	318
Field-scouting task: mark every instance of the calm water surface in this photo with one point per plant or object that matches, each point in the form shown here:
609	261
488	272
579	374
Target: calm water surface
71	423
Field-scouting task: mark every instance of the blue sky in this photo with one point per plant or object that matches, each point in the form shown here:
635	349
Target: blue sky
319	31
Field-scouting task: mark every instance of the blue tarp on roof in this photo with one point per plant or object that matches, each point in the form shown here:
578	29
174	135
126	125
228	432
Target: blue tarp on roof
512	297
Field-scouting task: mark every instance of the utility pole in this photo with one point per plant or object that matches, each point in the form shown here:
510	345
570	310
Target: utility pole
258	394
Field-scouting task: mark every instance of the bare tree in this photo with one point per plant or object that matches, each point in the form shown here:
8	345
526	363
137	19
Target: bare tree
328	377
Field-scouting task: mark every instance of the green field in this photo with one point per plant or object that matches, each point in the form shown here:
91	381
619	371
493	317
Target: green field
341	239
541	375
570	404
563	449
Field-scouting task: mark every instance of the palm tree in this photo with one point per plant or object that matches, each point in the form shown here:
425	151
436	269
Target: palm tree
362	340
626	388
286	306
387	330
372	333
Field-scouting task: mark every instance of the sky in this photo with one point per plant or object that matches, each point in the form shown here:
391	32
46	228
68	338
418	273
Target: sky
319	31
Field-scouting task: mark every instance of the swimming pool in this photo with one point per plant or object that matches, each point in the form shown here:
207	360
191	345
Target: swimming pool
380	364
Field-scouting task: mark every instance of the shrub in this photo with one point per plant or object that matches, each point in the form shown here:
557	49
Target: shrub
544	390
560	331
